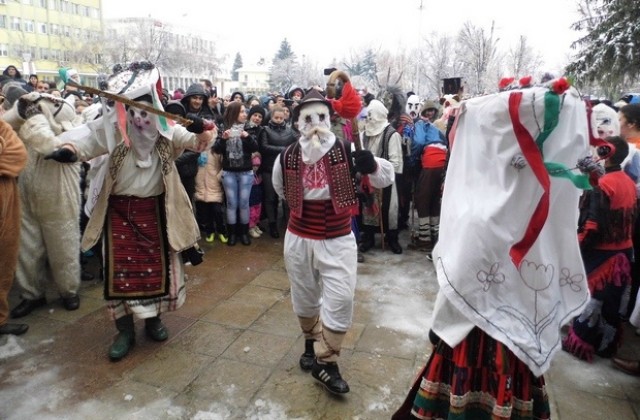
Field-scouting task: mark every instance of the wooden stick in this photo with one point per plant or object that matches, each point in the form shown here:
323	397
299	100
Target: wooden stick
123	99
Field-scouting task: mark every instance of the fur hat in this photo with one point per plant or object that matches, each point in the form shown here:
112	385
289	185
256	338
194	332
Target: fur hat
12	91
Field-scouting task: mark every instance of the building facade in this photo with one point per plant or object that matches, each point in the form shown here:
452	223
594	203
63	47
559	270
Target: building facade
40	36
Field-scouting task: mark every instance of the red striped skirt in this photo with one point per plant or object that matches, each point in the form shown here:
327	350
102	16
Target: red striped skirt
136	248
478	379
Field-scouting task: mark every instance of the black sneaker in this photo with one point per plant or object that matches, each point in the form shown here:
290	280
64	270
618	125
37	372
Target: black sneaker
306	359
328	375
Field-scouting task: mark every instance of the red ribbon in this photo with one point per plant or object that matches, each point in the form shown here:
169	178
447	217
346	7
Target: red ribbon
534	158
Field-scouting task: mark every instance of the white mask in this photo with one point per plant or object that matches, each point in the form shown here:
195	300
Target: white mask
413	106
376	119
143	134
314	124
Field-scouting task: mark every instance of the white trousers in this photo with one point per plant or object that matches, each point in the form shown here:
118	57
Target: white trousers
322	274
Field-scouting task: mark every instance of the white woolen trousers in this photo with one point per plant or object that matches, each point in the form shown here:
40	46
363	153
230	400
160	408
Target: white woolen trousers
322	274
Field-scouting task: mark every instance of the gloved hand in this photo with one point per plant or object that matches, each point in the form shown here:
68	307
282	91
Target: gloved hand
587	166
197	126
518	161
365	163
192	255
63	155
28	106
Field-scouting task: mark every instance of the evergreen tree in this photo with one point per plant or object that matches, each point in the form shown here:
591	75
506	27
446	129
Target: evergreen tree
237	63
285	52
609	51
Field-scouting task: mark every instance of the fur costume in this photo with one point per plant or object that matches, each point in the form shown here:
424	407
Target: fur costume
13	158
50	195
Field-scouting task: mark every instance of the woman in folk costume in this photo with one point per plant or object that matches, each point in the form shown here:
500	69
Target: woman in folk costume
141	211
510	272
314	175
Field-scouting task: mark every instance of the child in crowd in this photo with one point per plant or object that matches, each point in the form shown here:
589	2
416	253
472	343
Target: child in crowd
255	198
209	197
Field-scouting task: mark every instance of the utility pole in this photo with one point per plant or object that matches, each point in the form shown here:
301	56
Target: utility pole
417	57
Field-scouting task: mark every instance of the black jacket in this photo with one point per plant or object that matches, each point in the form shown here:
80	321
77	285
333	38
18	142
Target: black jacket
273	140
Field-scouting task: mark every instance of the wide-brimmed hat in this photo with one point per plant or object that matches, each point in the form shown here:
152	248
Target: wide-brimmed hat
312	97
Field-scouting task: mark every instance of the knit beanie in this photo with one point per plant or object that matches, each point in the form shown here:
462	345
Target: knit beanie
257	109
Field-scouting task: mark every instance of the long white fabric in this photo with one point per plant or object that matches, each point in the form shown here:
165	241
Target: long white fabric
486	209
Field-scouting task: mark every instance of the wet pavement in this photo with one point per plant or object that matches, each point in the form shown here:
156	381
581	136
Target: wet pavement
234	346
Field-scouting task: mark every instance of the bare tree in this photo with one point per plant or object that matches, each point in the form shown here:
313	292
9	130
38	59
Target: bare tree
439	61
522	60
478	51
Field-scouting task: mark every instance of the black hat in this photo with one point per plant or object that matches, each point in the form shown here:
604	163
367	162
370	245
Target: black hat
312	97
175	107
257	109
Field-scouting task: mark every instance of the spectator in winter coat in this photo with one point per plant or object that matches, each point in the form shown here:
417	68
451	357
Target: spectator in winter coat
275	137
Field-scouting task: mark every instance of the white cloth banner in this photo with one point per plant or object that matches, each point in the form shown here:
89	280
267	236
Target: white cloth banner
486	209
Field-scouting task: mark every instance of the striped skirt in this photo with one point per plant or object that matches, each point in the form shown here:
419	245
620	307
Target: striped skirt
478	379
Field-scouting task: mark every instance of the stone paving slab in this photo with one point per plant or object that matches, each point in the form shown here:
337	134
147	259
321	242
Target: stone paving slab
234	346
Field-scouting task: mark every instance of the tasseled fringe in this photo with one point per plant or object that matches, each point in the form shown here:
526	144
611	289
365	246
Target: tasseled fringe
578	347
616	270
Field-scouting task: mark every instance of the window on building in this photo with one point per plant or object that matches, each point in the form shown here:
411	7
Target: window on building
27	2
4	50
67	31
41	3
44	54
64	6
15	23
42	28
3	22
53	4
3	1
55	29
29	26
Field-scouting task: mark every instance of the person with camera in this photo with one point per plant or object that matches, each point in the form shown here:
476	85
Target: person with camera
236	145
141	211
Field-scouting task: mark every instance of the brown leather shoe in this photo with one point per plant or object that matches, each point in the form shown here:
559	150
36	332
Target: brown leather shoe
632	367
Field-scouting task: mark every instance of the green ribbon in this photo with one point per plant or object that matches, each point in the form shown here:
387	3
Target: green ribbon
162	119
551	116
559	170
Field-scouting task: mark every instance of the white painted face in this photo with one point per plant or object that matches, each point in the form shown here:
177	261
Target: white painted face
413	106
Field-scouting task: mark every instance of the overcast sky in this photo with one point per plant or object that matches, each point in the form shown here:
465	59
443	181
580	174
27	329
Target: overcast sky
335	28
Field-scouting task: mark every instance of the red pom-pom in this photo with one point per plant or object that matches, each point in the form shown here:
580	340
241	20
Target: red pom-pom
525	81
505	82
560	86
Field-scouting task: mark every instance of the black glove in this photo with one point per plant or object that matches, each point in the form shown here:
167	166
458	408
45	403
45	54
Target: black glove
197	126
365	163
27	109
587	166
63	155
192	255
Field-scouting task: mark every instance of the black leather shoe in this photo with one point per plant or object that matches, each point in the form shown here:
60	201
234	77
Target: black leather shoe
71	303
27	306
14	329
328	375
273	230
